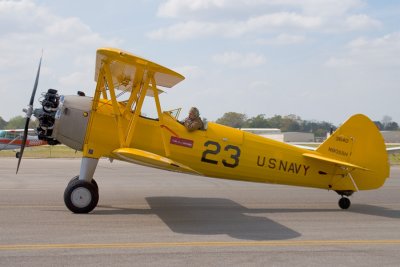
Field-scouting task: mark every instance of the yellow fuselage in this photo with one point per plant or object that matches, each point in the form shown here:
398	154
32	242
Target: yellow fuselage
218	151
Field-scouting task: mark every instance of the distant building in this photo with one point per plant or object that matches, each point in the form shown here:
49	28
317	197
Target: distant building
271	133
298	137
391	136
276	134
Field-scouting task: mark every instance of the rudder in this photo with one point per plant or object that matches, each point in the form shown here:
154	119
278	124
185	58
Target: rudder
359	142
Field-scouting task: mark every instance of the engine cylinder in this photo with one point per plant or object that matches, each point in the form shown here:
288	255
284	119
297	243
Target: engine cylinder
46	117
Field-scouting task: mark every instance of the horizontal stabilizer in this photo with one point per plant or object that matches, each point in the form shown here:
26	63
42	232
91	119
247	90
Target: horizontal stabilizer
335	161
389	150
393	150
143	157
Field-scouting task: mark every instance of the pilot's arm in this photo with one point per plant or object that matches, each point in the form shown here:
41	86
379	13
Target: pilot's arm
193	125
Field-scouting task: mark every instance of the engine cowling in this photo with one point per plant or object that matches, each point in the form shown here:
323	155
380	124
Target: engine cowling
63	119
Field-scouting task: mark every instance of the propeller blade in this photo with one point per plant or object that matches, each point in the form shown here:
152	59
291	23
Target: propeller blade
36	83
21	151
29	114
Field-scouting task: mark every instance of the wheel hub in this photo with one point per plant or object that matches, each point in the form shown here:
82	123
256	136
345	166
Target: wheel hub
81	197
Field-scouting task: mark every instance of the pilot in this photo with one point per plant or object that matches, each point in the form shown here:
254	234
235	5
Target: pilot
193	121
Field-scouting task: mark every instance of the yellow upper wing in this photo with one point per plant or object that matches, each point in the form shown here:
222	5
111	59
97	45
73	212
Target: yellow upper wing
127	69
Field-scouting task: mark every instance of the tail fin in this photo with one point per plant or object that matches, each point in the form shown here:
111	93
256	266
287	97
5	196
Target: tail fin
359	142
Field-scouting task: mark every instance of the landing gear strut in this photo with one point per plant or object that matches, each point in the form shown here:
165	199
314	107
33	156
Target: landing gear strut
82	192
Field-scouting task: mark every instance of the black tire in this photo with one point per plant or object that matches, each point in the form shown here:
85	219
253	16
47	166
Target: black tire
77	178
344	203
81	196
17	155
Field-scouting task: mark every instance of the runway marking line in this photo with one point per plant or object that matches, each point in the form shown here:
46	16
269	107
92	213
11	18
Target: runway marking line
199	244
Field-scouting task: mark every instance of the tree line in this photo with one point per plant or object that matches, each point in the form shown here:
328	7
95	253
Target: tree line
17	122
292	123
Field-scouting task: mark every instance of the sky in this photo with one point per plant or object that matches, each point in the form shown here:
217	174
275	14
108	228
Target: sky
322	60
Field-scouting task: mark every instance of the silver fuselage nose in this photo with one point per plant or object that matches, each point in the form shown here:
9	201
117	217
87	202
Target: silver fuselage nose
71	120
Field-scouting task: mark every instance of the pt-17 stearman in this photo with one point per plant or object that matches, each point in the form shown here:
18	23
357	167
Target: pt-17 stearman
111	124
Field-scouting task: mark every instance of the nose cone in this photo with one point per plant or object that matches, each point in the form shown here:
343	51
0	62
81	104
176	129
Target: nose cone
71	120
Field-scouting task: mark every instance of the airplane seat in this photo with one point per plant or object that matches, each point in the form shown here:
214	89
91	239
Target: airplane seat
205	125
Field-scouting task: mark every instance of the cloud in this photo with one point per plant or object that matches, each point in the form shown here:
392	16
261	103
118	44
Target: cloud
188	30
260	85
325	8
32	28
232	29
369	53
282	39
361	22
25	29
284	19
389	42
191	71
183	8
239	60
339	62
194	19
174	8
73	80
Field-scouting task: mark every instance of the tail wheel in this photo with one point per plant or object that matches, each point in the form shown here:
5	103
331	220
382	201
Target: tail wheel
344	203
81	196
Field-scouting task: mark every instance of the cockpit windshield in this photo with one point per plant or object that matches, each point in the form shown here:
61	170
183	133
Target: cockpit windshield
175	113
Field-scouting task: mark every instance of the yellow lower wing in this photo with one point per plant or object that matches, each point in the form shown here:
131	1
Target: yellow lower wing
143	157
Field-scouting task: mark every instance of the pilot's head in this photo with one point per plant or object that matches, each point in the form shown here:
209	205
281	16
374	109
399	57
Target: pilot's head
194	113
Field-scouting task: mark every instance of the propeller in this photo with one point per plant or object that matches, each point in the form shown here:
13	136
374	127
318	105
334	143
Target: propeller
28	112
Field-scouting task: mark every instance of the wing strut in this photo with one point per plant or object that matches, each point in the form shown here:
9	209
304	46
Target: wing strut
117	111
160	117
138	108
117	70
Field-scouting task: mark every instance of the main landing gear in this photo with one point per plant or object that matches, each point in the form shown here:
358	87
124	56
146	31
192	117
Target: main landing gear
344	202
82	192
81	196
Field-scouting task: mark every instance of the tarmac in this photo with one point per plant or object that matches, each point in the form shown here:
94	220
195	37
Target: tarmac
150	217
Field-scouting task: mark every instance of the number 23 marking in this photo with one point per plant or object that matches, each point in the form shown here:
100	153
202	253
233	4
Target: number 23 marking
216	148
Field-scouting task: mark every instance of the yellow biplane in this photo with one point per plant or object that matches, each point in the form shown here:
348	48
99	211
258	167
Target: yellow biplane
111	124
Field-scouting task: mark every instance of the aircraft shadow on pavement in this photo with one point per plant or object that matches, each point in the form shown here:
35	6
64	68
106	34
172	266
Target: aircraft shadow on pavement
214	216
218	216
365	209
209	216
375	211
